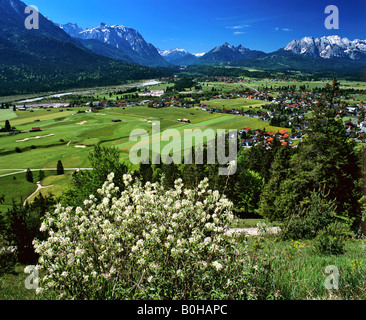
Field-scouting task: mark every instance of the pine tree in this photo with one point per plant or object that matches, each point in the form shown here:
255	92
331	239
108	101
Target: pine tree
60	168
41	175
279	172
325	159
7	126
170	172
146	172
29	176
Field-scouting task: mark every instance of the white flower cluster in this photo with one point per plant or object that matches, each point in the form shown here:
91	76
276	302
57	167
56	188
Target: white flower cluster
136	241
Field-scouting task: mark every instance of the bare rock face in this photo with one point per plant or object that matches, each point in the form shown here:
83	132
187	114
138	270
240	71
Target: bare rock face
331	47
127	40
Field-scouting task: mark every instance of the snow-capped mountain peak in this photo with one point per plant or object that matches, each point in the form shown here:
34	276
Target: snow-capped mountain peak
329	47
71	28
178	56
125	39
165	53
200	54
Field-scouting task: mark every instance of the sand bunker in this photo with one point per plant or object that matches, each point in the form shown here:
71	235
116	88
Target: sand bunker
37	137
80	146
83	122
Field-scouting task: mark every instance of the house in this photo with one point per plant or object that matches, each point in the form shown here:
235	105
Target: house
35	129
282	132
247	142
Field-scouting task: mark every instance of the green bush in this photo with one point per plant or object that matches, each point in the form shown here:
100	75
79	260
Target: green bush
311	216
8	259
331	240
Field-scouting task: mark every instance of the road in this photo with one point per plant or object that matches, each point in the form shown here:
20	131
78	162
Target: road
250	87
250	231
39	187
18	171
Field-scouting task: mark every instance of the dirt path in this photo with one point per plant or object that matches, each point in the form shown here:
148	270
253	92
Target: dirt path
18	171
250	87
250	231
39	187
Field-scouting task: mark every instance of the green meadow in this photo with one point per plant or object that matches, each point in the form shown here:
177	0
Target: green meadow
7	114
239	103
15	187
70	136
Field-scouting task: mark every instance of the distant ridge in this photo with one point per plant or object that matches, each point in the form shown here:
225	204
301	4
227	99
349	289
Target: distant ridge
331	47
228	53
127	40
178	56
48	59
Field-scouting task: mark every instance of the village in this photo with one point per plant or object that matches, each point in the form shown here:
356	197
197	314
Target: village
286	108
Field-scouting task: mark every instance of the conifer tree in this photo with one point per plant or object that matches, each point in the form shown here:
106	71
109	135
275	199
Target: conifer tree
60	168
29	176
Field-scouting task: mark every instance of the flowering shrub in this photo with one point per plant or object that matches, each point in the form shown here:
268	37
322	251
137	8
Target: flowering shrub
144	243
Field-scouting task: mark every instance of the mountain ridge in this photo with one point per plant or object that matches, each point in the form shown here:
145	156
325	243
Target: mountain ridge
329	47
127	40
178	56
333	48
48	59
228	53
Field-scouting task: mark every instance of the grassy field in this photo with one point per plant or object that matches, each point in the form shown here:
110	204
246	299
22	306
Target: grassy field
239	103
298	272
294	270
12	286
15	187
70	137
61	135
7	114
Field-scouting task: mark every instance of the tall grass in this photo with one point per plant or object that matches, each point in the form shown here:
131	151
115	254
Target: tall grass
298	272
12	286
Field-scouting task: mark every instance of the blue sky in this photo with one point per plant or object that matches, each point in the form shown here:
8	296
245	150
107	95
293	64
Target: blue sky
200	25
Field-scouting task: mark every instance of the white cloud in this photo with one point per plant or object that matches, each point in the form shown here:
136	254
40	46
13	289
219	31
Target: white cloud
282	29
241	26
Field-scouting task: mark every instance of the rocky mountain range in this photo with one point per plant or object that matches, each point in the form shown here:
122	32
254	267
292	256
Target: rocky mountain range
178	56
126	40
331	47
47	58
122	43
227	53
54	57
